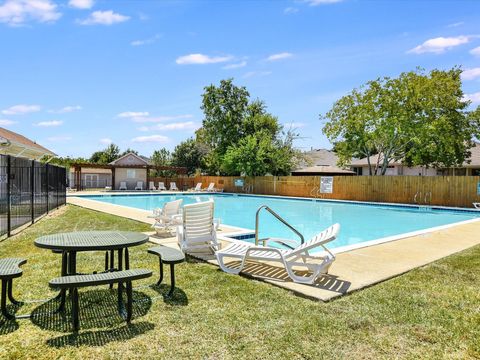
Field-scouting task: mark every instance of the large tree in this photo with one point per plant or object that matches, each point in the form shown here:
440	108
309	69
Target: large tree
189	154
419	118
162	157
242	137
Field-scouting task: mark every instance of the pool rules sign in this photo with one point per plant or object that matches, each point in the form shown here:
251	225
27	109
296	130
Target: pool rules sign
326	184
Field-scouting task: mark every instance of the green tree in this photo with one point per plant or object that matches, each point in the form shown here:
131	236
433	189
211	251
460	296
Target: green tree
128	151
109	154
418	118
188	154
162	157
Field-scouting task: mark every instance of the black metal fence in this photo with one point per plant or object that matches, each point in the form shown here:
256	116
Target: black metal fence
28	190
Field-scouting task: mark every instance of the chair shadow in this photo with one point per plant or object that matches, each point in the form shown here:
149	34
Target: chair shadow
266	271
178	298
98	309
8	326
100	338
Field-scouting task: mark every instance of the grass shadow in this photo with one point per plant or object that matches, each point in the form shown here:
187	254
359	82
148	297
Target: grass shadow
98	309
8	326
100	338
178	298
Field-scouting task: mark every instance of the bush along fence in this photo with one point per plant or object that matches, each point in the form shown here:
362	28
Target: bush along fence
28	190
456	191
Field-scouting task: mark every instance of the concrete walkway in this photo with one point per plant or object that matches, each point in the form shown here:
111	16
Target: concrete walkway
352	270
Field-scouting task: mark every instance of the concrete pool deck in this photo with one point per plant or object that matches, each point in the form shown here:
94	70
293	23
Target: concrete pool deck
352	270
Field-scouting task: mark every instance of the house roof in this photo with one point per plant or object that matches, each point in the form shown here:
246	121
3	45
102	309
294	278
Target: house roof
323	169
16	144
136	159
474	160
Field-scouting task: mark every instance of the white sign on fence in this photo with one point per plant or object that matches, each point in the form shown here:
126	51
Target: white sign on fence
326	184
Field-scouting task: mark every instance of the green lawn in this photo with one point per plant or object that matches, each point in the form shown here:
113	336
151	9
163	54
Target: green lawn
432	312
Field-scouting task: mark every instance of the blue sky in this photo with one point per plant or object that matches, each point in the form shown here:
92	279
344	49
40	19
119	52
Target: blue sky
76	75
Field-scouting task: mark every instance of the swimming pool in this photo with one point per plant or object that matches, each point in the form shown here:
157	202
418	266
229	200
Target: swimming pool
360	222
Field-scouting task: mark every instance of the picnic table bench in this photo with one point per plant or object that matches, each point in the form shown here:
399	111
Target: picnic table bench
9	269
74	282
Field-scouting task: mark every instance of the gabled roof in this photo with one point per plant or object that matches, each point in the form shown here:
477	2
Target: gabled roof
16	144
136	159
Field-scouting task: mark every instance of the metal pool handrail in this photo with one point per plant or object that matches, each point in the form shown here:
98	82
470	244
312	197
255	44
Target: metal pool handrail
279	218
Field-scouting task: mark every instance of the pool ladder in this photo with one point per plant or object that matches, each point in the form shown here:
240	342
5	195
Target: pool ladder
284	242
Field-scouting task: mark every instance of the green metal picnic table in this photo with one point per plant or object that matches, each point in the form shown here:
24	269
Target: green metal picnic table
110	241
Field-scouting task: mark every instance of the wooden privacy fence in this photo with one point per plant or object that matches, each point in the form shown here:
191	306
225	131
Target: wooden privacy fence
458	191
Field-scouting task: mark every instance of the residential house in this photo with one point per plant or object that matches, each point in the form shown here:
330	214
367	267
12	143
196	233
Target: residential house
18	145
321	162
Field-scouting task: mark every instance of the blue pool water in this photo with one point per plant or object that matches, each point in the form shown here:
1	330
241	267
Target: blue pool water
359	222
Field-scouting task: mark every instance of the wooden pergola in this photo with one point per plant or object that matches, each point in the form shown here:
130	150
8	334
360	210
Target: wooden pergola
78	170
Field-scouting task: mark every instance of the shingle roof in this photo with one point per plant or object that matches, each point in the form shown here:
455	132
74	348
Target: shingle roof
20	139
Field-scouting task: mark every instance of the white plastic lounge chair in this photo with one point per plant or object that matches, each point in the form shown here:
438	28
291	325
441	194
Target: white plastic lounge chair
197	232
211	188
161	186
168	216
173	186
296	257
198	187
139	185
151	186
123	185
476	206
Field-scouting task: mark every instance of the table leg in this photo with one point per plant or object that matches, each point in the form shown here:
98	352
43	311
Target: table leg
65	269
127	260
3	300
172	279
129	301
112	264
120	259
10	295
161	271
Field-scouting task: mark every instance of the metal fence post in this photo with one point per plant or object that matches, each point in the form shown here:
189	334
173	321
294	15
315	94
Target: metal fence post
48	187
32	189
9	225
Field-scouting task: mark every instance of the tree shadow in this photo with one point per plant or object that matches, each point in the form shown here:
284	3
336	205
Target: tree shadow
100	338
178	298
98	309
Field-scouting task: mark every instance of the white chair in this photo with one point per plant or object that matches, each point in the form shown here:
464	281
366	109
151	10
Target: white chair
161	186
151	186
297	257
476	205
197	232
198	187
211	188
123	185
139	185
168	216
173	186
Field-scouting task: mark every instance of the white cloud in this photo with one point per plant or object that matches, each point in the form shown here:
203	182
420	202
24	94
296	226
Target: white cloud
49	123
133	114
157	119
295	125
201	59
475	51
81	4
21	109
106	141
150	40
440	44
256	73
66	109
103	18
151	138
321	2
280	56
235	66
6	122
470	74
187	125
457	24
290	10
474	97
18	12
61	138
